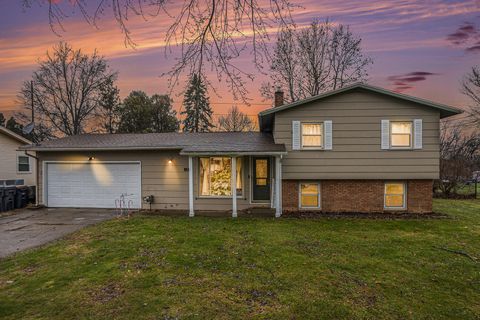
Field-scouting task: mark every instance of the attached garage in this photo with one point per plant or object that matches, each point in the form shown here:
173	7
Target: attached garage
92	184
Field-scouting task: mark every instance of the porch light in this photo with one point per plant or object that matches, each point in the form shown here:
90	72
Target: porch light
91	158
170	161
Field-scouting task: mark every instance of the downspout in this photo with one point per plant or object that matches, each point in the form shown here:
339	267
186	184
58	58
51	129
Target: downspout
37	186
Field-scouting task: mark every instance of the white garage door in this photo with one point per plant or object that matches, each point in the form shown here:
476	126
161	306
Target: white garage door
92	185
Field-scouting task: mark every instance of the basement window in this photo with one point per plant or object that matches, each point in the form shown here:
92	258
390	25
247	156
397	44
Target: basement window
395	195
309	195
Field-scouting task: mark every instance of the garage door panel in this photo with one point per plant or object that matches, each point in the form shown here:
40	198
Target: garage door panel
95	185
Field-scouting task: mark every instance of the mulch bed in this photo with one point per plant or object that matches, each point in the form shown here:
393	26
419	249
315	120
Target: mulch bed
355	215
305	215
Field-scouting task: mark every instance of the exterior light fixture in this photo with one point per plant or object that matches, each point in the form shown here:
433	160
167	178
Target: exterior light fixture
170	161
91	158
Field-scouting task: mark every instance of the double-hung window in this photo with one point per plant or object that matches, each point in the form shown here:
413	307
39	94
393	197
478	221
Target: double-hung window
215	177
309	195
401	134
395	195
23	164
312	135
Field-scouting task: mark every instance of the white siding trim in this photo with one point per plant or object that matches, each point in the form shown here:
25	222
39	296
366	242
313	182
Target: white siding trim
417	134
296	135
233	187
191	212
385	125
328	127
278	187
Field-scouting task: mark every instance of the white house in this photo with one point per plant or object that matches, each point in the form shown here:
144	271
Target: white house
15	164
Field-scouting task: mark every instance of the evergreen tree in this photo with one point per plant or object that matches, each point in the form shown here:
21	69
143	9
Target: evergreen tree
108	106
2	120
140	113
14	126
163	116
197	107
135	115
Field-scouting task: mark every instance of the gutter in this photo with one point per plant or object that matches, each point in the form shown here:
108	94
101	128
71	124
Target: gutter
241	153
40	149
37	175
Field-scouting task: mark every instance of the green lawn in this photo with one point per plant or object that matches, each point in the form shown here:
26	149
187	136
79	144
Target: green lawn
167	268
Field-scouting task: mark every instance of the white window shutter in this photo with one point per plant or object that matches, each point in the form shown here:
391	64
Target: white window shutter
296	136
417	134
327	125
385	134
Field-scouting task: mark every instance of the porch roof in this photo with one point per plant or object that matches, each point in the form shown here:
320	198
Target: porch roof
187	143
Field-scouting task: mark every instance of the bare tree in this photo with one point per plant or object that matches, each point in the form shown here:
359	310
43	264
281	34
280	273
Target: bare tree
236	121
348	62
312	60
459	155
471	88
67	89
213	32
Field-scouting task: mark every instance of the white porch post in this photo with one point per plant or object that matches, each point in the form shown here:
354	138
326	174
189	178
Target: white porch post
191	213
278	187
234	187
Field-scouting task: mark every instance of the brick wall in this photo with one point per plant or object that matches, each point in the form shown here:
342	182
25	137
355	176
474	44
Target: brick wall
359	195
419	196
289	195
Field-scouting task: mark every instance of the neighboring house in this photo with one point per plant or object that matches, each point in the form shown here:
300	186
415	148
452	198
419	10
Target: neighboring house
15	164
356	149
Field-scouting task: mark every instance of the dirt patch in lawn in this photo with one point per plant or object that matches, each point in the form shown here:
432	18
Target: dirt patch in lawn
107	293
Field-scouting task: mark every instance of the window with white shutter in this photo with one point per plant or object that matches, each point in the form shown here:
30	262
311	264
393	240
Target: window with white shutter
401	134
312	135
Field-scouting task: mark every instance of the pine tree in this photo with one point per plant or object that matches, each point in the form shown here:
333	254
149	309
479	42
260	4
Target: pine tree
108	106
197	107
2	120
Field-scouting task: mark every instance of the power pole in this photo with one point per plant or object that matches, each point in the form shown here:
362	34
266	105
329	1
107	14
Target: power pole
33	109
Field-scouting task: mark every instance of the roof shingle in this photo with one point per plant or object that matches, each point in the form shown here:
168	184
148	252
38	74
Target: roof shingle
201	142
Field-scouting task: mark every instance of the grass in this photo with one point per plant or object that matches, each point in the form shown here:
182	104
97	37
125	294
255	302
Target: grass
167	268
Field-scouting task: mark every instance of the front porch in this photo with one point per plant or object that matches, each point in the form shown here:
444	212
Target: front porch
256	182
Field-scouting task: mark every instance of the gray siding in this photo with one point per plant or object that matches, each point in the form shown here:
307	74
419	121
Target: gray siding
168	183
356	153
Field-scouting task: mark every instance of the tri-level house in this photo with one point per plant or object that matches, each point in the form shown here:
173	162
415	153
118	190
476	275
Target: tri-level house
357	149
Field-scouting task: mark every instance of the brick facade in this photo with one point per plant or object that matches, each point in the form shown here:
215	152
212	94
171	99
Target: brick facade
359	196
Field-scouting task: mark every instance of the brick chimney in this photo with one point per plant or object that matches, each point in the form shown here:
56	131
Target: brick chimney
278	97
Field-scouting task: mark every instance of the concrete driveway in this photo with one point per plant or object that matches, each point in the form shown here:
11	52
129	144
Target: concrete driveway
32	228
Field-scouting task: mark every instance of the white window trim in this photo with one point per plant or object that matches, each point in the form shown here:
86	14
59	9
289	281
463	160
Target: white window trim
29	164
199	196
404	207
322	141
319	195
410	147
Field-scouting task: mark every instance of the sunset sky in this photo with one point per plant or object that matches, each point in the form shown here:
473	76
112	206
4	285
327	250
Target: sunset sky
422	48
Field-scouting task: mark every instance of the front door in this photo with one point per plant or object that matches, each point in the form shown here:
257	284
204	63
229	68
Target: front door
261	179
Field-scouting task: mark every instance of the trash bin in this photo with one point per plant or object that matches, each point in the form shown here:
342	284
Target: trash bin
21	197
32	194
9	198
2	192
